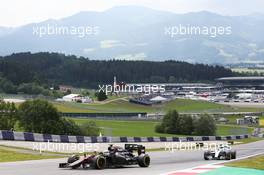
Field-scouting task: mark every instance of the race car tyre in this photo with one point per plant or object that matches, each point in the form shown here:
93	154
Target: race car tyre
228	156
222	156
206	155
99	162
233	155
144	160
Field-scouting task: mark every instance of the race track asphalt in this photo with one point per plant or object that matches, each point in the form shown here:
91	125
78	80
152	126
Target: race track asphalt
161	162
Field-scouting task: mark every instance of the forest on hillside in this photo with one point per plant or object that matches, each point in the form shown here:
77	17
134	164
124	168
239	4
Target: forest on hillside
22	70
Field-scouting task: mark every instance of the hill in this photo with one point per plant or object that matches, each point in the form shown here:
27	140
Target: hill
132	32
51	69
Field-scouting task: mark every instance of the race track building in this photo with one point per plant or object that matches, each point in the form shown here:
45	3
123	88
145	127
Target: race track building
242	82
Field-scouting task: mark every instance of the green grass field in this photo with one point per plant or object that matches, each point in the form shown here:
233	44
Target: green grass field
147	128
11	156
233	130
253	162
247	140
181	105
232	118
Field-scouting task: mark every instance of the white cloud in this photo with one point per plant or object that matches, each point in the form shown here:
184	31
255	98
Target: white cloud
252	54
137	56
223	53
261	50
181	39
106	44
141	44
88	50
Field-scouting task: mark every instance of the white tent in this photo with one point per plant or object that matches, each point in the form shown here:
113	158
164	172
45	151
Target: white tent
71	97
244	95
158	99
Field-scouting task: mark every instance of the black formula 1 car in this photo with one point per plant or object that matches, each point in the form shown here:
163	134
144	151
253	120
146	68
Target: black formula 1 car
224	152
114	157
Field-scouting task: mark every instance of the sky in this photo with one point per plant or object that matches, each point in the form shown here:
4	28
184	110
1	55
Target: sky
20	12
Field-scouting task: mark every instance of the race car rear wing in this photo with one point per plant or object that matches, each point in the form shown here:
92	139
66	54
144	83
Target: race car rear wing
135	147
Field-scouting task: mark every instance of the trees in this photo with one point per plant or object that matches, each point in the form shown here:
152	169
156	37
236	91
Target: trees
205	125
8	115
101	96
85	92
38	116
42	117
7	86
69	127
53	68
89	128
169	123
186	126
172	123
31	88
172	79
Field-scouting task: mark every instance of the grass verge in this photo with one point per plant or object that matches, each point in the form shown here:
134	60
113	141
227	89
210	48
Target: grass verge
12	156
256	162
247	140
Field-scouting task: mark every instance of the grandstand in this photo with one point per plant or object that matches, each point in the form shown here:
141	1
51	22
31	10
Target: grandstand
242	82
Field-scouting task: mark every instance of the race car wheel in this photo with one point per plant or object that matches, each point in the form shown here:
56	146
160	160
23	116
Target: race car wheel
228	156
206	156
222	156
144	160
99	162
233	155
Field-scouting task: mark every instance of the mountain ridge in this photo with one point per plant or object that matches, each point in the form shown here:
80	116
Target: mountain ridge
132	32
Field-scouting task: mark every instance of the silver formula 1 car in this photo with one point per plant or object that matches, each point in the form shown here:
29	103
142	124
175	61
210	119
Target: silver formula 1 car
223	152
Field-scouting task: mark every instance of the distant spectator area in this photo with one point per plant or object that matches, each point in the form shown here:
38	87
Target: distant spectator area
150	99
242	82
